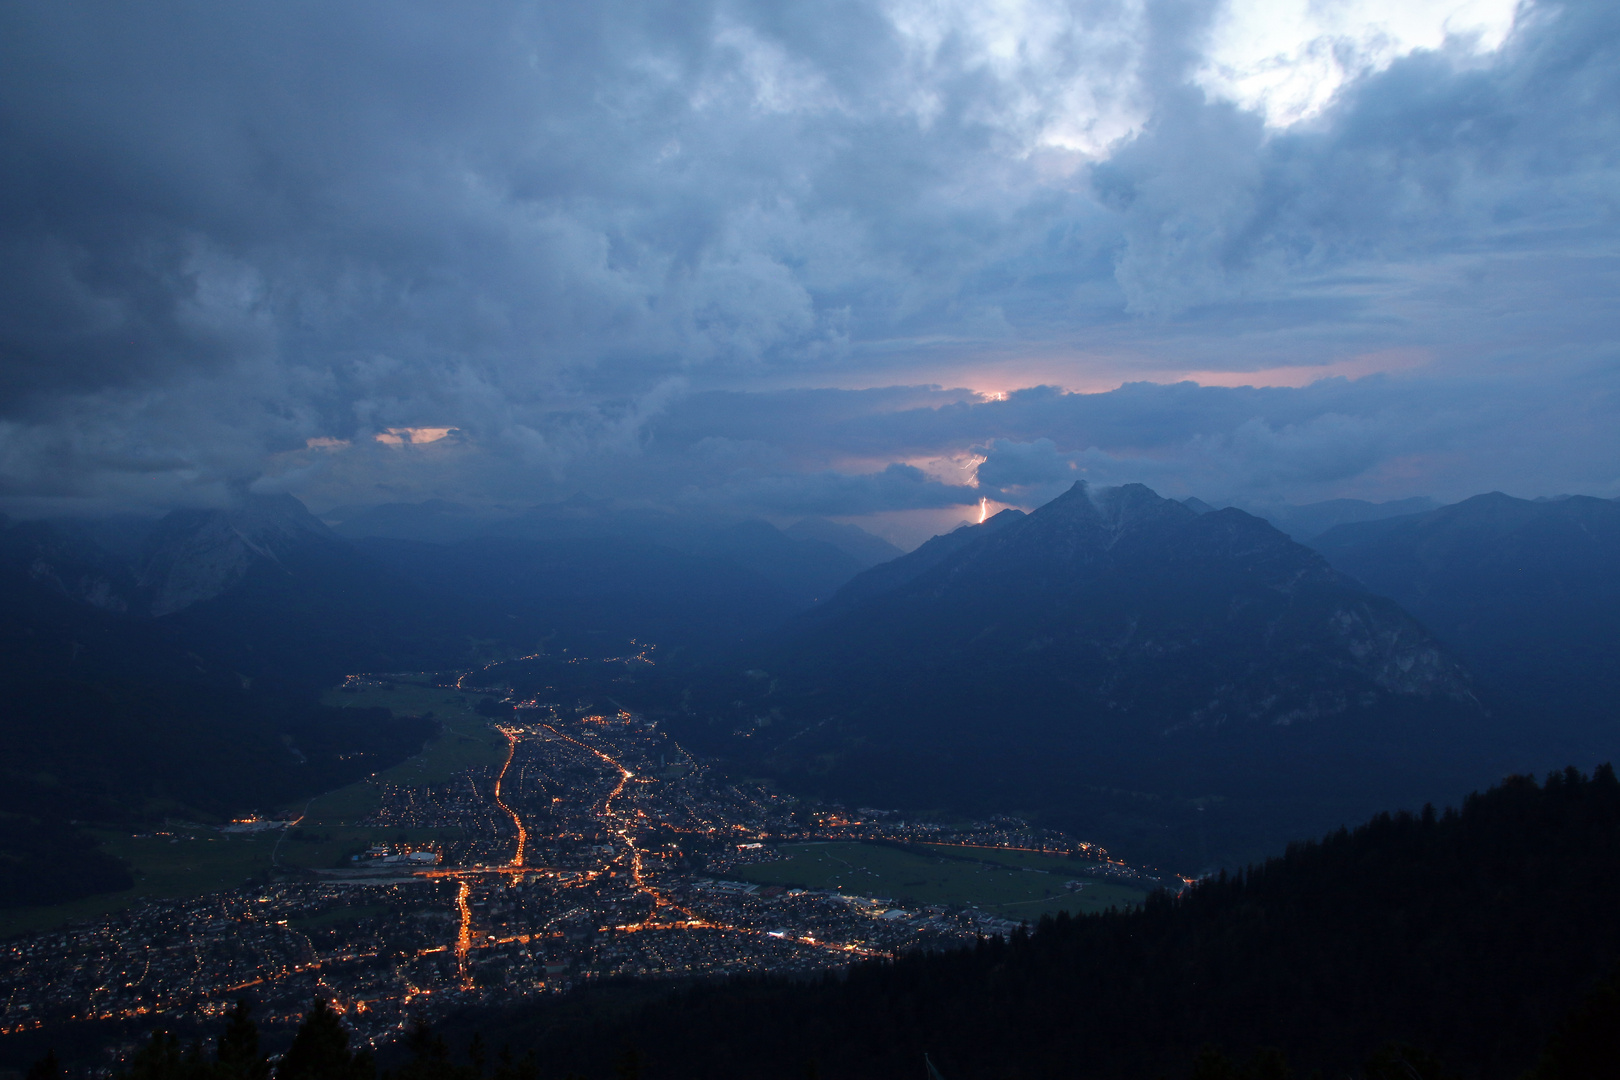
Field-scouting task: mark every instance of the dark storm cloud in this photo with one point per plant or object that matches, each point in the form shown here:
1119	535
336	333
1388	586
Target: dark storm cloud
244	240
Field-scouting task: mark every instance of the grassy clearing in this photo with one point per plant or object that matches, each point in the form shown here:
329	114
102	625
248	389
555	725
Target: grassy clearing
1018	860
339	916
189	863
997	885
467	742
203	861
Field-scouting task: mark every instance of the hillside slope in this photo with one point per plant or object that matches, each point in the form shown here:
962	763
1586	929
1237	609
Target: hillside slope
109	716
1470	933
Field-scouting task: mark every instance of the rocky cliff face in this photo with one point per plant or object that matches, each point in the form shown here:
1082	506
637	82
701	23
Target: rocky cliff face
68	565
196	555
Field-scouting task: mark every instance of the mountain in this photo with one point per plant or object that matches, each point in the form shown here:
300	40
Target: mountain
597	567
602	545
891	575
1528	591
267	589
111	716
196	555
801	570
1112	662
806	571
1304	522
68	563
867	550
288	598
594	589
1472	934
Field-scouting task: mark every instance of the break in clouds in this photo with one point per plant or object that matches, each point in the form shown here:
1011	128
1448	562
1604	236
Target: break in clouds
851	259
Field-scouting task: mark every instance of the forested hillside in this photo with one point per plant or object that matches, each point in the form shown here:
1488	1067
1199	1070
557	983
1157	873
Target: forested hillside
1471	933
111	718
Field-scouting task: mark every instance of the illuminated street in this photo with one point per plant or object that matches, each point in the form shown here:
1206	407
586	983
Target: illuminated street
597	848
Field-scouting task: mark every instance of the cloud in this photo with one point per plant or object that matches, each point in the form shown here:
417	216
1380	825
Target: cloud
1033	472
1286	59
896	487
593	243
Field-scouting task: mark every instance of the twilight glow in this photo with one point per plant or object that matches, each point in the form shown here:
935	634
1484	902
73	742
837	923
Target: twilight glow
785	259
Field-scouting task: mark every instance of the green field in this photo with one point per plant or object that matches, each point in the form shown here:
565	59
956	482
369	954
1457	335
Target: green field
201	861
1015	885
467	742
188	863
340	916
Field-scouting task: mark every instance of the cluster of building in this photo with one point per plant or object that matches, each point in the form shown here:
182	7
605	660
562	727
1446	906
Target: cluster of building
598	849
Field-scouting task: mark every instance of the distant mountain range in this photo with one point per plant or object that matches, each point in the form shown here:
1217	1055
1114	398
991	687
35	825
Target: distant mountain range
1311	520
110	715
867	550
587	566
291	599
1527	591
150	668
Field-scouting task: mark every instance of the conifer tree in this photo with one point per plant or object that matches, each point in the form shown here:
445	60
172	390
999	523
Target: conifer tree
46	1068
320	1050
239	1056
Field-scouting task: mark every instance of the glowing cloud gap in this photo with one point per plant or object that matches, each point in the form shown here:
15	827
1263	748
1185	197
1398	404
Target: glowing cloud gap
1286	59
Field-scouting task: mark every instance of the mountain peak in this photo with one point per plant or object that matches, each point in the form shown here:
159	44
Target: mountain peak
194	555
1137	505
1075	504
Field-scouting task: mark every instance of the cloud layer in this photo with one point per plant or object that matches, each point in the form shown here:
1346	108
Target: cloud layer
593	246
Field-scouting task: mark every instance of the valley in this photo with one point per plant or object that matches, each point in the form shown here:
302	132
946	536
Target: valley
1012	884
884	540
528	857
520	802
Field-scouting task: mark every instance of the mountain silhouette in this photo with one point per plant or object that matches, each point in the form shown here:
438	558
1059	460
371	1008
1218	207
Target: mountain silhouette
1111	641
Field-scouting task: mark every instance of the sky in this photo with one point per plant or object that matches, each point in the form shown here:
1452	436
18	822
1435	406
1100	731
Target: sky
870	260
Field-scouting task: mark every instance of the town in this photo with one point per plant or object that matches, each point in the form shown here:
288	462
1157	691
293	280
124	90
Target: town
598	848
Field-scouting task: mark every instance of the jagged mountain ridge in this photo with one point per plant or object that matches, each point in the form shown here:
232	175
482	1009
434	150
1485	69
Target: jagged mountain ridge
1108	640
1126	579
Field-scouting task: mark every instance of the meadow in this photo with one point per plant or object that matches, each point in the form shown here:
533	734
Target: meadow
185	860
1014	885
178	861
466	742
